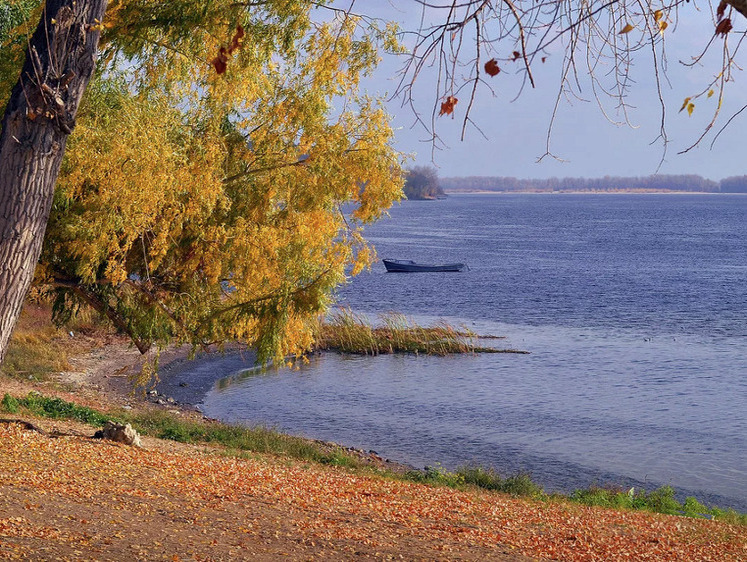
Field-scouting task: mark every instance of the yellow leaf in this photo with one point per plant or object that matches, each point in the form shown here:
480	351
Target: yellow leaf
684	103
627	29
662	26
710	93
690	108
658	14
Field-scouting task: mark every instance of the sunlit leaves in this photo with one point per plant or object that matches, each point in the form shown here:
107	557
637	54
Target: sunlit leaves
202	201
626	29
688	105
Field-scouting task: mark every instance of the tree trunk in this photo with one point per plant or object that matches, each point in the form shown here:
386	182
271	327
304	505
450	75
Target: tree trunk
60	60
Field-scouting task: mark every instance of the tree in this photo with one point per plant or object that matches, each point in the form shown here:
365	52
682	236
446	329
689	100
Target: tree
421	182
200	198
39	116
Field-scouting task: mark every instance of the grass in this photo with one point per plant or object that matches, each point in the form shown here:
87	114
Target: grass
34	353
348	332
167	426
39	349
241	441
661	500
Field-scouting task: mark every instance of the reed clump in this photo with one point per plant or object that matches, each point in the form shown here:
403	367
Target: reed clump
347	332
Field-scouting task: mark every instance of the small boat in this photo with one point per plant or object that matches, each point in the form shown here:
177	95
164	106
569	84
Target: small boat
409	266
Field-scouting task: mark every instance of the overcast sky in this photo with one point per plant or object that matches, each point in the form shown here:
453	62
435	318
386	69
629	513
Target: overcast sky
590	144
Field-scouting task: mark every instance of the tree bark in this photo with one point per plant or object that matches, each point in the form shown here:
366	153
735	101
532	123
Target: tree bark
40	115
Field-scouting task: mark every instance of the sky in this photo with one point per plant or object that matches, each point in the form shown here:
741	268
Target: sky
589	145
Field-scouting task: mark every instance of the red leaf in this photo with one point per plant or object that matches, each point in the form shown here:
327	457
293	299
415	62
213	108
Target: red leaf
720	11
236	41
221	61
515	55
447	107
492	68
723	27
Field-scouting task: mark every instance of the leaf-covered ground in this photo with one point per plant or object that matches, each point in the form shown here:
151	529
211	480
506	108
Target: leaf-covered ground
75	498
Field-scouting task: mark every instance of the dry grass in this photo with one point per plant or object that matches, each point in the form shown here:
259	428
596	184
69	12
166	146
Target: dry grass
348	332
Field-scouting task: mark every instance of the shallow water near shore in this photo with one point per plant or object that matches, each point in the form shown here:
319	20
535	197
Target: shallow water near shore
633	309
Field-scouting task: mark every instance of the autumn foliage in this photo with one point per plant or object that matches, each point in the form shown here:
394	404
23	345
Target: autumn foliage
201	195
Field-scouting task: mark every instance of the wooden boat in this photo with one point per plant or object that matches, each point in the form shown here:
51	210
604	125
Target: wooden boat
409	266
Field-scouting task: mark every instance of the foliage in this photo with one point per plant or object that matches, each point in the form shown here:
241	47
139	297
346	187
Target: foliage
421	182
200	207
734	184
55	408
14	13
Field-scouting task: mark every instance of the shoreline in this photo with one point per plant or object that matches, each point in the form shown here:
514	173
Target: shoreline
102	377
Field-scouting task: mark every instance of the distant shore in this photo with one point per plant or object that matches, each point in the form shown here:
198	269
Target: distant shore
588	192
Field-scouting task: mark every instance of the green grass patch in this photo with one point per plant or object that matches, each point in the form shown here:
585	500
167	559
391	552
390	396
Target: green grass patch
347	332
55	408
167	426
661	500
517	485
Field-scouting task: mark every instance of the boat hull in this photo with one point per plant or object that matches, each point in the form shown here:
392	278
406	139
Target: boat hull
407	266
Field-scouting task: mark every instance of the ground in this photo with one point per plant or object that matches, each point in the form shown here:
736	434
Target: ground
66	496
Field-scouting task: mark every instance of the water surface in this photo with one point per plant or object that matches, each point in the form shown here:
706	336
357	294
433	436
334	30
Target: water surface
632	306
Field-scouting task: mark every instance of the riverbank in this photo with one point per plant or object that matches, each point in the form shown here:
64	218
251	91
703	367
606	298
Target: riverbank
68	496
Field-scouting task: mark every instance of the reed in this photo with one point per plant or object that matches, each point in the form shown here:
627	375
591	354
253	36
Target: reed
347	332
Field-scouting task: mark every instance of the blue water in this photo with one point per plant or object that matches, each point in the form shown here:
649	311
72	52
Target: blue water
634	309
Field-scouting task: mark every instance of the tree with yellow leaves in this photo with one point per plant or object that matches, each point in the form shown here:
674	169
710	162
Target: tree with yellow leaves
201	195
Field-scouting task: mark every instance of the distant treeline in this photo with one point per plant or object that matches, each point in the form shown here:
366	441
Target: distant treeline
421	182
611	184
